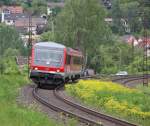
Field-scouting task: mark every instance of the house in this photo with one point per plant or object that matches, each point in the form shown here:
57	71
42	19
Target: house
22	24
9	19
11	9
8	14
140	42
129	39
145	43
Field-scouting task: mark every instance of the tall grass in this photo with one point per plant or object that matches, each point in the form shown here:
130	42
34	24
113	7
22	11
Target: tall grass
114	99
12	114
145	89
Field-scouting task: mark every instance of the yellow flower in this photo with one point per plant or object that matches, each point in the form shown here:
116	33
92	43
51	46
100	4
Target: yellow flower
94	91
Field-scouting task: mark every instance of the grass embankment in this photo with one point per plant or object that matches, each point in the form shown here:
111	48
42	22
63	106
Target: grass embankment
119	101
145	89
12	114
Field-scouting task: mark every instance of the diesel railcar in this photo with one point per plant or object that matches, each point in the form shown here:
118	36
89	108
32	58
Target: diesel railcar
52	63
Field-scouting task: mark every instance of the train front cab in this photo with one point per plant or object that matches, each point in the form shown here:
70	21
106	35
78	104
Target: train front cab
41	74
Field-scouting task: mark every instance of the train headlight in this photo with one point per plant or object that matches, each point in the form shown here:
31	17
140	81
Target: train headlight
57	70
36	68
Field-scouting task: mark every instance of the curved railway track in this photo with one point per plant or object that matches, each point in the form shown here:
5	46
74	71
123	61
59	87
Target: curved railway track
60	109
130	81
115	121
72	109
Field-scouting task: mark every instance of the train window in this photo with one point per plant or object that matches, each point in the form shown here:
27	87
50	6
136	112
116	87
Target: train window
68	59
47	57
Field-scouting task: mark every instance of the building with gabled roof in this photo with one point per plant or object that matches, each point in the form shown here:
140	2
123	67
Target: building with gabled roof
143	42
11	9
129	39
22	24
9	19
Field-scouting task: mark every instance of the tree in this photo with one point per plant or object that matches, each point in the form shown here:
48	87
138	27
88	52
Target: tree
132	12
112	58
81	25
48	36
9	39
117	15
39	6
9	62
145	12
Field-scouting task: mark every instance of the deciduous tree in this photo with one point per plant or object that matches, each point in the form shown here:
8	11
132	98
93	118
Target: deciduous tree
81	25
9	38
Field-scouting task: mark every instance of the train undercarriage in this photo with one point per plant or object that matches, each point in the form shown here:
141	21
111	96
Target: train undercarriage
40	78
51	79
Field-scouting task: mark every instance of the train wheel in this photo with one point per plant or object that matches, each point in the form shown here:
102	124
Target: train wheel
73	80
63	83
66	80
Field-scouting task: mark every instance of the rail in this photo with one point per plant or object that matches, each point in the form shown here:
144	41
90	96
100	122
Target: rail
58	109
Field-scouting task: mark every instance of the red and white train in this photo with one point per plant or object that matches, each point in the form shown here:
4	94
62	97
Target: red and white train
53	63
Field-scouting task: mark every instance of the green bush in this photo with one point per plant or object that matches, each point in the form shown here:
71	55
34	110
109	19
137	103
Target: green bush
12	114
10	66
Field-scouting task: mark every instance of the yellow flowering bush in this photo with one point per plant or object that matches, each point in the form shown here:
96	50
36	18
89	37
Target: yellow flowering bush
131	104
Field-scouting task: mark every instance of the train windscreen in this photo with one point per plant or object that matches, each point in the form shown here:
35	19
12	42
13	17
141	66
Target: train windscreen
48	57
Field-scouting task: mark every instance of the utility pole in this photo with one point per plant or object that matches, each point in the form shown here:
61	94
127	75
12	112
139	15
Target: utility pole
29	41
145	57
1	52
145	47
132	54
30	35
1	57
120	59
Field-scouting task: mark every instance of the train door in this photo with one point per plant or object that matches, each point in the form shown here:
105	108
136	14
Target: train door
68	62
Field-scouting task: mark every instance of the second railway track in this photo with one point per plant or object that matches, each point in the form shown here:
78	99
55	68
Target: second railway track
130	81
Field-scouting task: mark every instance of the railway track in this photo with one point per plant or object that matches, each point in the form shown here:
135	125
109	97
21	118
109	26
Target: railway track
65	112
75	110
130	81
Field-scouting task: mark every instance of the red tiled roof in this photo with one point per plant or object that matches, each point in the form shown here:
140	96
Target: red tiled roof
144	41
13	9
24	22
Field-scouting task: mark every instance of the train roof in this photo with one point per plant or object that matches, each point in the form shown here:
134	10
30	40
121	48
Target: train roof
50	44
55	45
